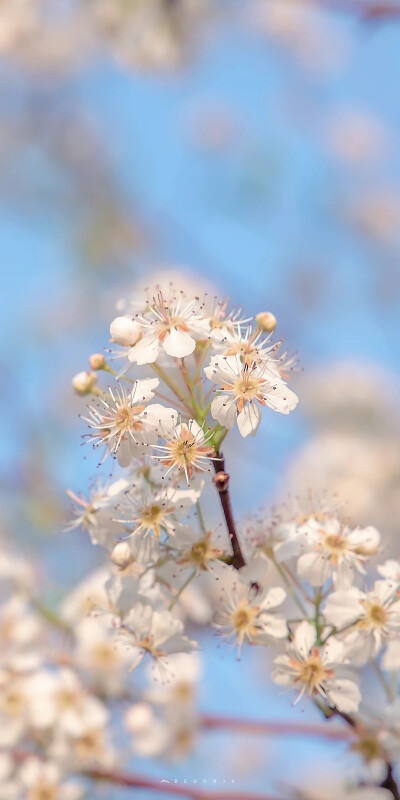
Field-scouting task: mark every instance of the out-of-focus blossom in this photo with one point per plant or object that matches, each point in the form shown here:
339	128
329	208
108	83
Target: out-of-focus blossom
315	671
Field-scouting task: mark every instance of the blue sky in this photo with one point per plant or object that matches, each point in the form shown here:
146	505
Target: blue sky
259	219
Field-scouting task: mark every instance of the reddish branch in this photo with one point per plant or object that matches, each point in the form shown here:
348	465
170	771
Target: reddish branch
178	790
221	481
275	728
373	11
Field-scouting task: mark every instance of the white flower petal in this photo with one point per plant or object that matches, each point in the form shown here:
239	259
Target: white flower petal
249	419
179	344
145	351
343	607
314	567
344	694
223	409
304	638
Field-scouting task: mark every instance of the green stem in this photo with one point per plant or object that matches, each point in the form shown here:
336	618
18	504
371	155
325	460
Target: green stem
183	587
201	518
317	603
186	399
50	615
197	375
382	680
120	377
218	437
290	588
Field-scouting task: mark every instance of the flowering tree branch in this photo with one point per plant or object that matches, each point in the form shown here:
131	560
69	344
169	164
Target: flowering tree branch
320	562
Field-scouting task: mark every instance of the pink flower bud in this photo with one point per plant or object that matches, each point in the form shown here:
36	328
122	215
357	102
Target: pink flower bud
98	361
266	321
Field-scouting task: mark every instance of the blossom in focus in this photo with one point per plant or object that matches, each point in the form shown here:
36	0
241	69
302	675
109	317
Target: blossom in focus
243	389
156	510
249	615
169	325
199	552
186	450
124	423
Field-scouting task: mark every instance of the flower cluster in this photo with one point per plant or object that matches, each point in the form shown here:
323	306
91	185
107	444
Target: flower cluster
304	588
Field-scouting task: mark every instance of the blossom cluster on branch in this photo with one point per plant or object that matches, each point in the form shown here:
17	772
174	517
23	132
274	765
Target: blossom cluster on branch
302	586
305	584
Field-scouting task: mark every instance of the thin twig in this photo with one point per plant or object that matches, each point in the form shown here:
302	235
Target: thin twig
274	728
221	481
370	11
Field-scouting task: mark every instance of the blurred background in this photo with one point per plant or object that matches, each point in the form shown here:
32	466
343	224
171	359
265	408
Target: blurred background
252	149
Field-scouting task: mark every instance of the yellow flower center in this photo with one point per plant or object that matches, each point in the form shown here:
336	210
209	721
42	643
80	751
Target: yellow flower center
168	324
185	453
335	543
244	621
200	551
67	698
89	746
126	418
104	656
247	387
312	672
12	702
183	692
375	616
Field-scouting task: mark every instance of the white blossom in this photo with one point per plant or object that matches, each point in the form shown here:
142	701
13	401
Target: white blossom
96	514
59	700
124	423
155	633
186	450
369	618
157	510
249	615
315	671
334	550
171	324
43	779
244	388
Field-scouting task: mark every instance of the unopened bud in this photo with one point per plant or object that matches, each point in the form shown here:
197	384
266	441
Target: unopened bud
125	331
221	480
84	382
266	321
121	555
98	361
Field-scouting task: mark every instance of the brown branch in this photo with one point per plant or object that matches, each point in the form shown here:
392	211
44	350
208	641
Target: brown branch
221	482
178	790
236	725
389	783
